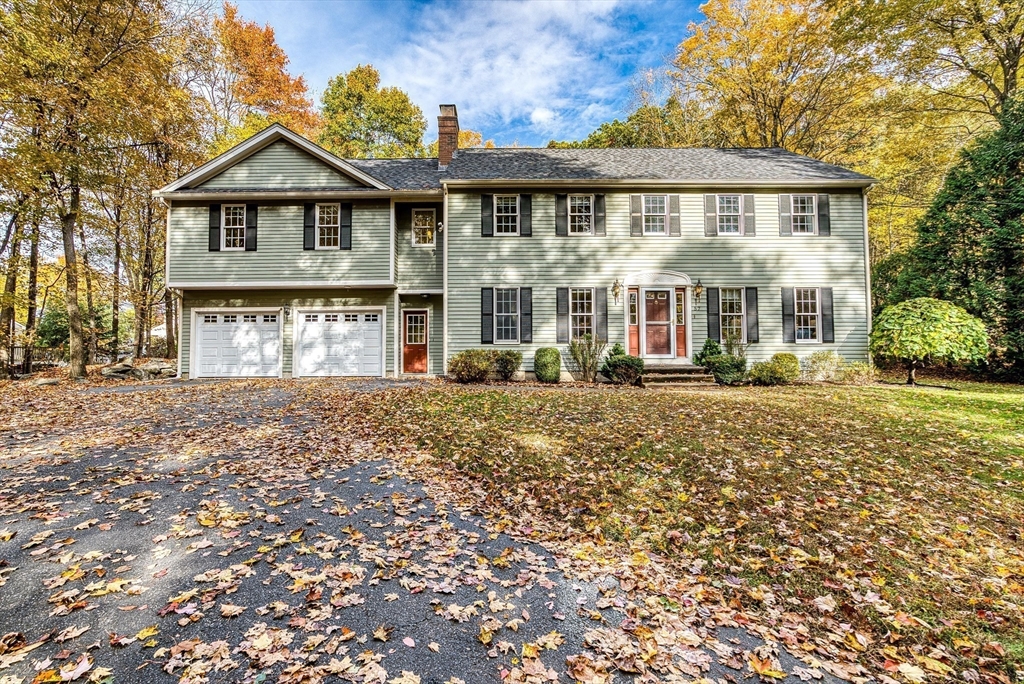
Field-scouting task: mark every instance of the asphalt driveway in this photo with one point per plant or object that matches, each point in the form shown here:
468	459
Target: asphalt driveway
215	532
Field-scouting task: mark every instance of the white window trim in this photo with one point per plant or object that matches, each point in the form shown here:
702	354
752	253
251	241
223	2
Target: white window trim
518	218
316	234
743	315
718	225
494	316
817	316
569	215
814	214
223	229
644	215
593	310
412	225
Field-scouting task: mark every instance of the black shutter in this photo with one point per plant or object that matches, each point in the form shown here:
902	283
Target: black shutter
562	314
214	227
486	316
599	229
309	226
345	222
526	215
788	315
601	313
486	216
251	215
526	314
636	216
710	215
785	215
748	215
673	216
750	294
561	215
828	334
824	216
714	315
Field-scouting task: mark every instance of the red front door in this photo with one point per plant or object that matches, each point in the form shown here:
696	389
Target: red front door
414	342
657	322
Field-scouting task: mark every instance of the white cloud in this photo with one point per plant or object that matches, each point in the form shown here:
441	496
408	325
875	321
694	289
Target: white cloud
542	116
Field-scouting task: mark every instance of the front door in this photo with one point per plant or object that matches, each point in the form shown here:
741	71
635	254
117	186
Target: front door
657	322
414	345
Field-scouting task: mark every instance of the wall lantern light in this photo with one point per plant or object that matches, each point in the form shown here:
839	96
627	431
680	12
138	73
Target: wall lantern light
617	290
698	290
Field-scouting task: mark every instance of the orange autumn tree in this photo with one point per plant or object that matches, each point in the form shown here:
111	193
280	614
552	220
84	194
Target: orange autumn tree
255	88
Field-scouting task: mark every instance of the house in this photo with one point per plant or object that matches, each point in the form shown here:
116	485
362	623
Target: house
292	262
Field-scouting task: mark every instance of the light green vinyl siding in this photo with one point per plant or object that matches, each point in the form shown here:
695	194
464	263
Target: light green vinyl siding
417	267
766	261
296	299
279	257
434	306
281	165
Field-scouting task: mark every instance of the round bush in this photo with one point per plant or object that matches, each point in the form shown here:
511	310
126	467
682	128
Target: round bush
823	366
782	369
726	368
547	364
472	365
623	369
507	363
788	365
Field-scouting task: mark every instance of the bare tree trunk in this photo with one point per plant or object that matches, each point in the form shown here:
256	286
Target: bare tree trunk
92	341
76	348
115	314
7	300
143	317
170	324
33	294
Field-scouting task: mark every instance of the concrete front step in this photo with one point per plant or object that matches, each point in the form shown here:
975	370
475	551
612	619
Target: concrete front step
661	378
681	385
667	369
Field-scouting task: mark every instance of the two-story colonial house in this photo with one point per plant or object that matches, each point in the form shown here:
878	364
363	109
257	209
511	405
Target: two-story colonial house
292	262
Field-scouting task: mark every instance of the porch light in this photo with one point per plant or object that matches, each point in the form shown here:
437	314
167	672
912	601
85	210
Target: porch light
617	290
287	312
698	290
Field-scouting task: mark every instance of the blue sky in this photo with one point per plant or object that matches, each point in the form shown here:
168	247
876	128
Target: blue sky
522	71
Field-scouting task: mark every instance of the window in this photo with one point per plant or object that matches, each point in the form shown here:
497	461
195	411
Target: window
416	329
249	318
731	303
328	226
634	315
506	214
311	318
729	214
581	214
807	319
581	312
371	318
655	210
351	318
232	227
680	311
270	318
506	315
209	318
330	318
423	225
231	319
804	214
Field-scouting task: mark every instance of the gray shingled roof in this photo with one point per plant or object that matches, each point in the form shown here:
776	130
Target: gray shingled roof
402	174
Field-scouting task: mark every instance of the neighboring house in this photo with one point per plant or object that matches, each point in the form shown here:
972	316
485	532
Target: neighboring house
292	262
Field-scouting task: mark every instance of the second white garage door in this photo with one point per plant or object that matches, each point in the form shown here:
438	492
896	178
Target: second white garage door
340	343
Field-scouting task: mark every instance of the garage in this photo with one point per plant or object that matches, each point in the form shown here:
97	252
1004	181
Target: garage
332	343
239	344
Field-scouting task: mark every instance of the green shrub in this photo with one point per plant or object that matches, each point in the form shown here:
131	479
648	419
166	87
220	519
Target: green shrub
782	369
857	373
547	364
617	350
623	369
711	348
726	368
586	353
507	363
472	365
823	366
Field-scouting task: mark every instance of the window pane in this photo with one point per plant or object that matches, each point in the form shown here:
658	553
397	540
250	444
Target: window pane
234	227
506	214
806	313
581	308
328	227
680	309
654	204
415	329
731	299
423	227
506	315
633	313
654	224
803	214
728	204
580	214
728	224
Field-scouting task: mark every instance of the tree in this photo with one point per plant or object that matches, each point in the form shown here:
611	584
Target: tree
467	140
926	330
361	119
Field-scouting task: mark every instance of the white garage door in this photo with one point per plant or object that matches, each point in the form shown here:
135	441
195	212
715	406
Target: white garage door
340	343
239	345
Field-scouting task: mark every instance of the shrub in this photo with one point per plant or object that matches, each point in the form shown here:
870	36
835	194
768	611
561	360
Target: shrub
623	369
857	373
547	364
471	365
823	366
711	348
586	353
617	350
726	368
507	363
924	330
782	369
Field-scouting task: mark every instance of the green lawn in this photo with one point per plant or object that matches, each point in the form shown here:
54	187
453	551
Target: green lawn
904	505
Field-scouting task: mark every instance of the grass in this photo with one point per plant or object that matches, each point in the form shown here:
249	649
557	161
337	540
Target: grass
903	504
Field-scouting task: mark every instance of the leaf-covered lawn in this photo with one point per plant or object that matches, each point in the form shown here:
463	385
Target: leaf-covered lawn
880	524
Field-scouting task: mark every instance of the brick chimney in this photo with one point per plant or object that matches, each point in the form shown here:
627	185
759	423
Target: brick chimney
447	135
